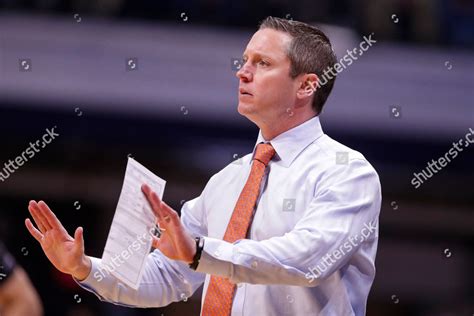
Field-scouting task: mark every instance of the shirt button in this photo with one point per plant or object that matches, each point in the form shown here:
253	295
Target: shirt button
254	264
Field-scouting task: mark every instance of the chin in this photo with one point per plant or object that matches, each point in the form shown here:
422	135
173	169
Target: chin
247	111
244	109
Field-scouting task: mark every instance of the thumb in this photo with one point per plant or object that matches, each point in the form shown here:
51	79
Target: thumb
79	238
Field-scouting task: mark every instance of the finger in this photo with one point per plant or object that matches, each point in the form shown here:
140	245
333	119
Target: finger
153	200
145	187
33	231
158	204
36	217
79	238
146	190
169	215
41	214
49	215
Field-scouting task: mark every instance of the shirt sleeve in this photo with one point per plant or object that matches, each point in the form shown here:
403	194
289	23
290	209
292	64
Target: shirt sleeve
341	218
164	280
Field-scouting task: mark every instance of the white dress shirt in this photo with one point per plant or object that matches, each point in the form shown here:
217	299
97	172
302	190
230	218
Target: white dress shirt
311	245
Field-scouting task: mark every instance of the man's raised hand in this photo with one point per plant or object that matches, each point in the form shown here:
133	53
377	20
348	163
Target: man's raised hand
175	242
64	252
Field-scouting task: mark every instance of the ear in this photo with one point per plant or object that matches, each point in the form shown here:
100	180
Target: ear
308	85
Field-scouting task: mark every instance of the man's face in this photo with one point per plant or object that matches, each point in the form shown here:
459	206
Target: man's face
266	91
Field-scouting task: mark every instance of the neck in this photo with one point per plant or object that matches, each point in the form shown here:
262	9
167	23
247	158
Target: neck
271	130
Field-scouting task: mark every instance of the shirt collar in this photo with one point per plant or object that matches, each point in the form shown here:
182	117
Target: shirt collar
288	145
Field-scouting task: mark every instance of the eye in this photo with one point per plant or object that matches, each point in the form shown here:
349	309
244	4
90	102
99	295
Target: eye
263	63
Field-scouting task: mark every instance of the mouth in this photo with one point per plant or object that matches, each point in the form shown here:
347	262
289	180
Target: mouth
244	92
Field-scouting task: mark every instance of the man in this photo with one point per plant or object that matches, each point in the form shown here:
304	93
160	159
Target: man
17	295
291	230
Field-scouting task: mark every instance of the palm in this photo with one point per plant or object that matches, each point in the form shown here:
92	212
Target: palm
175	242
166	245
61	249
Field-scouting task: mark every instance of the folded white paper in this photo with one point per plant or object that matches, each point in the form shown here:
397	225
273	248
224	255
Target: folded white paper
129	240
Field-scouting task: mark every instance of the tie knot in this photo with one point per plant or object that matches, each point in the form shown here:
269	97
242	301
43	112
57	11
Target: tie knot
264	153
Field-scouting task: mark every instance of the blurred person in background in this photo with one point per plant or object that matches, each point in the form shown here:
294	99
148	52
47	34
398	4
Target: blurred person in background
18	297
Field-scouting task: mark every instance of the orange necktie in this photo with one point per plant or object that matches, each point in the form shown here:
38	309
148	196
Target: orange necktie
220	292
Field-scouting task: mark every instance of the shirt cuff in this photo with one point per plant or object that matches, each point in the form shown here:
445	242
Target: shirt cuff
216	258
97	279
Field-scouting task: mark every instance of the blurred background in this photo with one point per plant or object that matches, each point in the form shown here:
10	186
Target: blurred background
155	80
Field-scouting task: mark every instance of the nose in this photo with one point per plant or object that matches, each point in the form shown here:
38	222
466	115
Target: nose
244	74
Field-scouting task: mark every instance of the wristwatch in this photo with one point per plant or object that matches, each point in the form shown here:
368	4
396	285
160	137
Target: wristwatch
199	247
